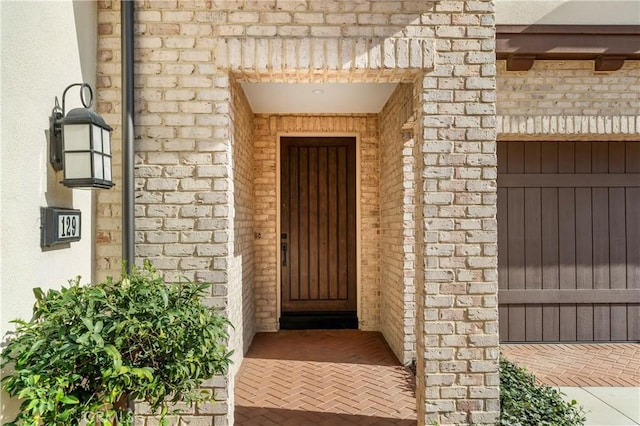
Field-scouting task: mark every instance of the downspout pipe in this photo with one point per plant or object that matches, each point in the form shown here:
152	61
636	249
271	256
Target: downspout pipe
128	151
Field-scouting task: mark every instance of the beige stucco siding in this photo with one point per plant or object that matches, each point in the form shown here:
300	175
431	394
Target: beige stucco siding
28	179
45	47
567	12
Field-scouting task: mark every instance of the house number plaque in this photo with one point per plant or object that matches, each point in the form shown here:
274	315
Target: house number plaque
59	226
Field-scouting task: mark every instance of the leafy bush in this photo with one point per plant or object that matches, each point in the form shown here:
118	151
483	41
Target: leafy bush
525	402
89	349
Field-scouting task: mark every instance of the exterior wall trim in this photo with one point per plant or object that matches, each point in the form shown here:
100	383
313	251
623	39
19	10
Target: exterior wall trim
570	128
323	56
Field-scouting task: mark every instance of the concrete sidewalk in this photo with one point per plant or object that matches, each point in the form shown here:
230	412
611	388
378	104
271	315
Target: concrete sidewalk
607	406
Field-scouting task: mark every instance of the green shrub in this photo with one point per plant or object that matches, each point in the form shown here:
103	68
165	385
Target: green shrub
525	402
90	349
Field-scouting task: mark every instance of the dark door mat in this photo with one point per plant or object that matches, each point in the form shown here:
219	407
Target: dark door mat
318	320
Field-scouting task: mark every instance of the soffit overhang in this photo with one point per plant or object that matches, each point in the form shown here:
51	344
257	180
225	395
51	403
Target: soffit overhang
608	45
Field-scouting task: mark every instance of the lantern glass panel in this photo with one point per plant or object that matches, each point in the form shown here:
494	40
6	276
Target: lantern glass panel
97	166
77	165
97	138
107	167
76	137
106	141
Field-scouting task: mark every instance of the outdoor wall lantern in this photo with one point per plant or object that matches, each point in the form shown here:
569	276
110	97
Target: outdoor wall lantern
80	143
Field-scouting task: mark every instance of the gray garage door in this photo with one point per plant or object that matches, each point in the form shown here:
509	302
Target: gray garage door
569	241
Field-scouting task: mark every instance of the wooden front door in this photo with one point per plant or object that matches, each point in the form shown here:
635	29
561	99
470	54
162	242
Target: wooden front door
318	225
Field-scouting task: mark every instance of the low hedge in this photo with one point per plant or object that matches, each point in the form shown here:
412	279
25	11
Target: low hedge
524	402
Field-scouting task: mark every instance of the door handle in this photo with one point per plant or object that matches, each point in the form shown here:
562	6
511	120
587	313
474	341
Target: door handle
283	248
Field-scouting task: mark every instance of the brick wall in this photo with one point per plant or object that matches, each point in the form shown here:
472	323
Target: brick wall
265	217
241	288
457	349
189	222
568	100
108	104
397	224
192	213
267	130
568	88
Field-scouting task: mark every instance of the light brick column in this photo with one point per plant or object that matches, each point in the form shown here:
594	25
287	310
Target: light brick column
189	222
457	314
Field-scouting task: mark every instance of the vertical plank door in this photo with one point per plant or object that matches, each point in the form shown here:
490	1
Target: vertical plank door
318	224
568	241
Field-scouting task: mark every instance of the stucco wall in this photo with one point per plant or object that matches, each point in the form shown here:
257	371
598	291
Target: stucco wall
567	12
63	36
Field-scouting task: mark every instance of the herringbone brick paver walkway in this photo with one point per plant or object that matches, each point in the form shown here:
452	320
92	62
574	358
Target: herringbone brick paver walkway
593	364
324	377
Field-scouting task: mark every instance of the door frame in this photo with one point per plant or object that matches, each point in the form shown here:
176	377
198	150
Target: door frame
279	137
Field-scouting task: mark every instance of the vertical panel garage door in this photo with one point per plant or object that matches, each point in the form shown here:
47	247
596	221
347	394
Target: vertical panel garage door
569	241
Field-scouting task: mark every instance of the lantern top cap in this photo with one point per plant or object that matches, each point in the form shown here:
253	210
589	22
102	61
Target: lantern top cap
85	116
